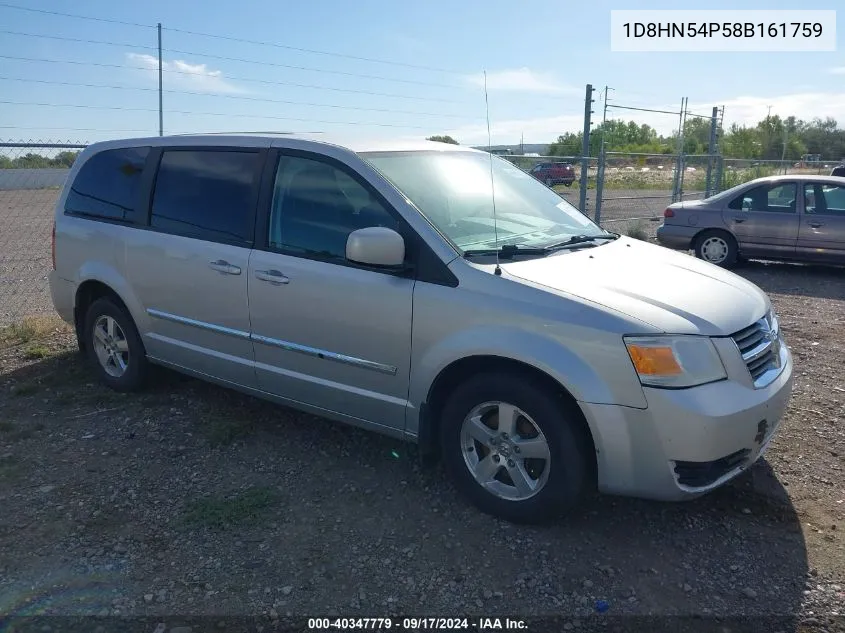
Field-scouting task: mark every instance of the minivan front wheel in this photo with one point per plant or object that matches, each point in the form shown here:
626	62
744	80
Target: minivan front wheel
114	347
514	450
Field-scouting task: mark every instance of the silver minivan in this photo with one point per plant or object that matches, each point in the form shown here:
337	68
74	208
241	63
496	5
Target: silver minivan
427	291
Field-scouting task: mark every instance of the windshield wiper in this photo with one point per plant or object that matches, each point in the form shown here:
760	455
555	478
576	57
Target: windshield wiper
507	251
580	239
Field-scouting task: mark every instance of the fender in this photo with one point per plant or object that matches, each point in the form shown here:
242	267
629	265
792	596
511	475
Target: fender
108	275
541	352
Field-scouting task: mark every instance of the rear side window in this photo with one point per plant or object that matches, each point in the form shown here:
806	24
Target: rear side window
206	194
107	184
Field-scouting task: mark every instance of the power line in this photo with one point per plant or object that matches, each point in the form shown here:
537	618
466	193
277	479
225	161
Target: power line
213	56
313	51
619	107
79	40
230	78
229	96
76	16
193	113
229	38
310	69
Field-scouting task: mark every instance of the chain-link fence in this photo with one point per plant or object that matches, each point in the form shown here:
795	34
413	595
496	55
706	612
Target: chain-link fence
31	176
634	189
554	171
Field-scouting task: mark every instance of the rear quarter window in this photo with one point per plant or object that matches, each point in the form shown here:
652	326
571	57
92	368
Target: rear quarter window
206	194
108	184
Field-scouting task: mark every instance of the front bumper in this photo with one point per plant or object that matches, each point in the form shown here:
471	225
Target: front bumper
676	236
688	441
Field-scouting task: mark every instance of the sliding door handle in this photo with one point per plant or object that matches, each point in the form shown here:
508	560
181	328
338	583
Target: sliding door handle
224	267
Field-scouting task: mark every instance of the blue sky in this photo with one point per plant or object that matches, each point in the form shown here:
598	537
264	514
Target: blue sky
538	58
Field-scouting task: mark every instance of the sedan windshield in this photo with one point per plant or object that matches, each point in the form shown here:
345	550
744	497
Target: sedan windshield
453	190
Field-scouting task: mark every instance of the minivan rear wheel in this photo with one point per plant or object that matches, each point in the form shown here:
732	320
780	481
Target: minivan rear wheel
113	346
514	450
716	247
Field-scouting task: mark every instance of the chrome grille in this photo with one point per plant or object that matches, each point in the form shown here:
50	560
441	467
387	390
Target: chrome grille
759	345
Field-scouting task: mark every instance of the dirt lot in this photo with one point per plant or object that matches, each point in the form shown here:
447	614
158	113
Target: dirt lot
190	499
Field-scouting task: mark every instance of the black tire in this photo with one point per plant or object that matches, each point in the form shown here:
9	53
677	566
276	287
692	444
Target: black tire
569	183
137	368
706	238
568	449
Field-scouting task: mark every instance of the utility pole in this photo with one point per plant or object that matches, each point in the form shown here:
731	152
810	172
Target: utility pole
679	164
711	150
160	97
785	140
585	149
602	158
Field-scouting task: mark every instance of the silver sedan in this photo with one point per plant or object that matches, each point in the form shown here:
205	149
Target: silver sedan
798	218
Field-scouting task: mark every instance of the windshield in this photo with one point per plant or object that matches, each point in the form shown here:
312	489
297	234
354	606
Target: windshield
452	189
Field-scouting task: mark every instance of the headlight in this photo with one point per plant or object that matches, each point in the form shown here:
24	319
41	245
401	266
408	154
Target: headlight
675	361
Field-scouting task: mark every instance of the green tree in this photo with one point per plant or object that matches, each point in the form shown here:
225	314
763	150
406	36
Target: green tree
64	159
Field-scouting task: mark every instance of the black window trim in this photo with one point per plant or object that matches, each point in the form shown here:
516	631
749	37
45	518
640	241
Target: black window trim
153	166
422	263
136	215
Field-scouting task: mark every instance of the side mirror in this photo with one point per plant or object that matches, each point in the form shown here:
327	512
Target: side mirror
376	246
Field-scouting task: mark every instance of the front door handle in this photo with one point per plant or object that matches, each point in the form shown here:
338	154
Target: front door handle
224	267
274	277
739	220
816	225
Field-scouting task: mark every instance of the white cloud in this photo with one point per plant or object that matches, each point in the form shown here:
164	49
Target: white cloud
177	72
521	80
747	110
837	70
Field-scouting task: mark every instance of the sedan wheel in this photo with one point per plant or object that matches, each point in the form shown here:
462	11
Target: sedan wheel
505	451
716	247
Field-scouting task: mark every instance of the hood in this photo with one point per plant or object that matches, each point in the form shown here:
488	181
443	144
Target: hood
672	291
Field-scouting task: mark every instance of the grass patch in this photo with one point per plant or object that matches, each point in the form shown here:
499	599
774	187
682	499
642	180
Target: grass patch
217	512
222	431
11	432
36	352
24	389
637	232
31	329
11	469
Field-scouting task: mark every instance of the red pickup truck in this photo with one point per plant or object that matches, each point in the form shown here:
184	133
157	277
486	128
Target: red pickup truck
554	173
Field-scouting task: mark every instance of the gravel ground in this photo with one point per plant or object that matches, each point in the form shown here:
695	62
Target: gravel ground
193	500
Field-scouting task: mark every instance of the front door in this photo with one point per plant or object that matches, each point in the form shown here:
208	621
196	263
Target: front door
764	220
821	237
328	333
